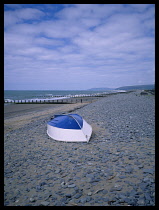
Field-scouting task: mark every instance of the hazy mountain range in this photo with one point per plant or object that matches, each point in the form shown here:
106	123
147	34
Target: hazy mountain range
134	87
100	89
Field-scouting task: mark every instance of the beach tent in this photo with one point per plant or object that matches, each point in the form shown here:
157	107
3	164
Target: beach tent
69	128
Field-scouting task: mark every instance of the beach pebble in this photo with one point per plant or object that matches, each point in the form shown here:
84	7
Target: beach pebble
150	171
71	185
57	171
32	200
68	195
141	202
44	203
78	195
89	193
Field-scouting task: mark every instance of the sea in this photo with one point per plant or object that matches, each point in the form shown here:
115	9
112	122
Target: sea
14	95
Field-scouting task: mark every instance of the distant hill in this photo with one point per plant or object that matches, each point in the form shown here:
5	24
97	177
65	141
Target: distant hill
100	89
137	87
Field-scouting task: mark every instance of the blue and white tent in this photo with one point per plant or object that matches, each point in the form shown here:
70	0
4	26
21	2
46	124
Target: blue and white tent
69	128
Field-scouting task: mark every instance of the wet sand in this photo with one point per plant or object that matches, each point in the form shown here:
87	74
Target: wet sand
12	110
20	109
18	115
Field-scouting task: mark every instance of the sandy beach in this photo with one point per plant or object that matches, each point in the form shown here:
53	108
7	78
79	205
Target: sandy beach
21	109
18	115
115	168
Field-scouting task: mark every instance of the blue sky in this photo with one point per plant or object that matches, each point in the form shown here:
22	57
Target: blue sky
78	46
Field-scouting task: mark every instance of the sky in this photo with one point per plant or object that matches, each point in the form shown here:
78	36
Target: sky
78	46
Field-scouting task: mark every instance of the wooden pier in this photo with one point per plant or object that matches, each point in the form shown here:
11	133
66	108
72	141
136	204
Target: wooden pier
59	101
71	100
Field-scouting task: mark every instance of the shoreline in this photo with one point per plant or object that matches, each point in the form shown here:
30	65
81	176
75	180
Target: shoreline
19	115
11	109
18	119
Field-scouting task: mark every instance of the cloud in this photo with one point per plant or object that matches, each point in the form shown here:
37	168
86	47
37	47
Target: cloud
90	44
19	15
95	11
139	7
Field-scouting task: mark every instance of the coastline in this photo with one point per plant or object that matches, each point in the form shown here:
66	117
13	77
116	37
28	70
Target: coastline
115	168
12	109
21	115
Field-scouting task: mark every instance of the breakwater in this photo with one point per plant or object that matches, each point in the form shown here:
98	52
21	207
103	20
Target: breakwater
58	99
